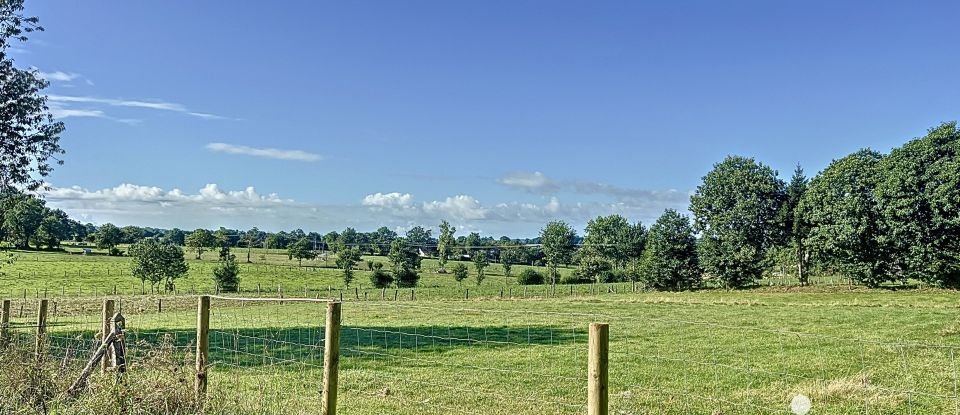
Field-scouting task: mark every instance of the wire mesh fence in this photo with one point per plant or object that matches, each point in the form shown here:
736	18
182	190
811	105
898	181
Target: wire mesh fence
267	355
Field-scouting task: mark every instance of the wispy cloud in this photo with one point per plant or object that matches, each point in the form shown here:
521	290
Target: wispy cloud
128	103
273	153
59	76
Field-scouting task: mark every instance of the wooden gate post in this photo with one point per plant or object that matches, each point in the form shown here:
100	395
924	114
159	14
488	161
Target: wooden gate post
597	386
106	320
5	323
41	328
203	344
331	359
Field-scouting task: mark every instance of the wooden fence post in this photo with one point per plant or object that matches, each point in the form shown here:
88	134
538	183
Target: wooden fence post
598	361
41	328
331	359
203	344
105	328
4	323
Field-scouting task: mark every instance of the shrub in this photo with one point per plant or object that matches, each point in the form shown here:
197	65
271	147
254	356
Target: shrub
227	274
529	276
381	279
575	277
460	272
407	278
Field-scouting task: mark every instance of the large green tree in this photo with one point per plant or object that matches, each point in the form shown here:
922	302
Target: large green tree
200	239
22	219
670	258
613	239
559	241
445	243
918	197
29	135
347	258
108	236
795	230
737	212
302	249
845	225
157	262
54	228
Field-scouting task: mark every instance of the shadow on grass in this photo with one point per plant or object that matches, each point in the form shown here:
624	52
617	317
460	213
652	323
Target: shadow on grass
253	347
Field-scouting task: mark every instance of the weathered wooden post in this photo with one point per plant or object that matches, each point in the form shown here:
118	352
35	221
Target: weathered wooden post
331	359
41	328
106	318
203	344
4	323
598	361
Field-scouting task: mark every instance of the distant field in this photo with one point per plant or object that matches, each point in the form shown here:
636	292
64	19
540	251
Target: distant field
72	274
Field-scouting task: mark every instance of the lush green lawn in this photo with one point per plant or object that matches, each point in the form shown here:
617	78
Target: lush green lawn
850	349
703	352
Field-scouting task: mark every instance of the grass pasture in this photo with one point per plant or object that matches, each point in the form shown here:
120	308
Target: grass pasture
713	352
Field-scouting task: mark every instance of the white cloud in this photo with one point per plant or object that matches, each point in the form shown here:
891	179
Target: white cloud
394	199
59	76
533	180
66	100
297	155
460	207
212	206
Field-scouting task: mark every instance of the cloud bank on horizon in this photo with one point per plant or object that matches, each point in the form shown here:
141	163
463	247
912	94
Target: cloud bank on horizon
212	207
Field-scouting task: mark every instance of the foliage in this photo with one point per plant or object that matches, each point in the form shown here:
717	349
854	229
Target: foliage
302	249
592	267
418	236
54	228
510	253
736	211
670	259
529	276
480	262
380	278
346	259
845	222
407	278
175	236
613	239
29	136
226	273
445	242
22	217
402	256
107	236
381	239
558	240
795	230
918	197
157	262
460	272
200	239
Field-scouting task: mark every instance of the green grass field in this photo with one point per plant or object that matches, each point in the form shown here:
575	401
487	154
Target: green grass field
849	349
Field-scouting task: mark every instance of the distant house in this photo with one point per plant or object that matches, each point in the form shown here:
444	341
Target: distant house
427	252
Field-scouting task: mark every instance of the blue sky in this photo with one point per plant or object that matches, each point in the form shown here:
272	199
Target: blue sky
495	115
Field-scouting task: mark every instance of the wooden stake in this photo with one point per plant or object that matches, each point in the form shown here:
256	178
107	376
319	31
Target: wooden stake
4	323
203	345
105	329
331	359
598	361
41	328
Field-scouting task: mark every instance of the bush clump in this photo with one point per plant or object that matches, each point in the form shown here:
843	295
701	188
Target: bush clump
529	276
381	279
